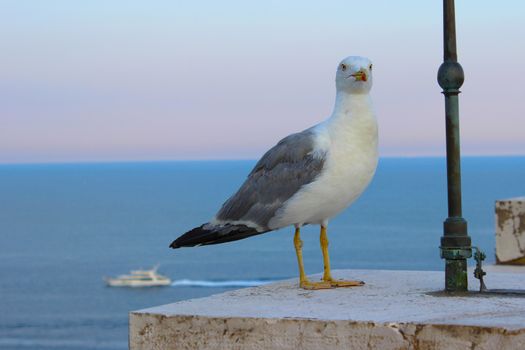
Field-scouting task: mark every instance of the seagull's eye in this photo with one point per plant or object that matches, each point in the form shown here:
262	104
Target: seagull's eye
370	67
343	67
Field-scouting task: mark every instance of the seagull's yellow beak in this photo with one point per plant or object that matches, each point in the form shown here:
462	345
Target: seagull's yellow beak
360	76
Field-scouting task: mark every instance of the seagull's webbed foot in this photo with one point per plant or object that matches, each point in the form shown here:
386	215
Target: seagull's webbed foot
303	280
342	283
327	282
327	277
305	284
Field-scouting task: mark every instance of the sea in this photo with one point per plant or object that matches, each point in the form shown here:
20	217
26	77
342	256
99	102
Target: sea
64	227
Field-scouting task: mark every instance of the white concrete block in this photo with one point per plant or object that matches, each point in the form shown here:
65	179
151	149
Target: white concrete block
394	310
510	230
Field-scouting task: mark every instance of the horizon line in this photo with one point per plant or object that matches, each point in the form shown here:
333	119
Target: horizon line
182	160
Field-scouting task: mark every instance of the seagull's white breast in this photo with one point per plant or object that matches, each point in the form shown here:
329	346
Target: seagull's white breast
349	138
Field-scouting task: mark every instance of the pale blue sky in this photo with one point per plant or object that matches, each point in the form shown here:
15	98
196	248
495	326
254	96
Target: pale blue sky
154	80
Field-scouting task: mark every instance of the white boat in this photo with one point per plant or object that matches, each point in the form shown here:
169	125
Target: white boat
139	278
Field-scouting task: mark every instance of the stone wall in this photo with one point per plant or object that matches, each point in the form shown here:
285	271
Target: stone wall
510	231
157	332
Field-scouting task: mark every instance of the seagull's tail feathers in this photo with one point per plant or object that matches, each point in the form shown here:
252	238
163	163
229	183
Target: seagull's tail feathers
214	234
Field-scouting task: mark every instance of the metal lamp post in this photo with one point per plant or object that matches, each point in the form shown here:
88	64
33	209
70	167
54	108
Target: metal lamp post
455	242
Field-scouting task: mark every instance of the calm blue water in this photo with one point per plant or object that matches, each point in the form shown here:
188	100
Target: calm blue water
64	227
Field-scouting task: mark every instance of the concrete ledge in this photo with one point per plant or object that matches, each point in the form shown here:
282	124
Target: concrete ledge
392	311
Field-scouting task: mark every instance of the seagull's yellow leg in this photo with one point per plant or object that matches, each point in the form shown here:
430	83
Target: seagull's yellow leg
303	280
327	277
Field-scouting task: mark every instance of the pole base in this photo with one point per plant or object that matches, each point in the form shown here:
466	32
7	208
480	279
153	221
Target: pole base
456	279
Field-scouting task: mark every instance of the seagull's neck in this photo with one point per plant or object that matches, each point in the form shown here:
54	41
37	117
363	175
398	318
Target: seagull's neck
350	106
352	125
352	120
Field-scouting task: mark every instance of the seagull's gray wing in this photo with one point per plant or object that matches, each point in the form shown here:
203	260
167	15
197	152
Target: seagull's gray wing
278	175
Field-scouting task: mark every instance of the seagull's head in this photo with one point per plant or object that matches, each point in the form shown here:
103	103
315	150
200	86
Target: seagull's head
354	75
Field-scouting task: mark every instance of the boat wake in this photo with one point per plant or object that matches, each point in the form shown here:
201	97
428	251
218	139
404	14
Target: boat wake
215	284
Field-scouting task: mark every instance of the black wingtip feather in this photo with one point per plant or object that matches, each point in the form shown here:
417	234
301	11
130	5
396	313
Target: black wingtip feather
214	234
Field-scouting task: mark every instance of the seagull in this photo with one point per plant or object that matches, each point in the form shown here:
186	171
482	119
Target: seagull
307	178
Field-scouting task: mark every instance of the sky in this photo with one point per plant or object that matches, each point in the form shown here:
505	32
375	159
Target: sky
106	80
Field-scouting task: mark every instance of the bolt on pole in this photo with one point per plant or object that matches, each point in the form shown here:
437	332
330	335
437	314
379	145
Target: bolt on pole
455	242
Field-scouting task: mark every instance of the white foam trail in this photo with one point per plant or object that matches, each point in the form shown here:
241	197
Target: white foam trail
214	284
